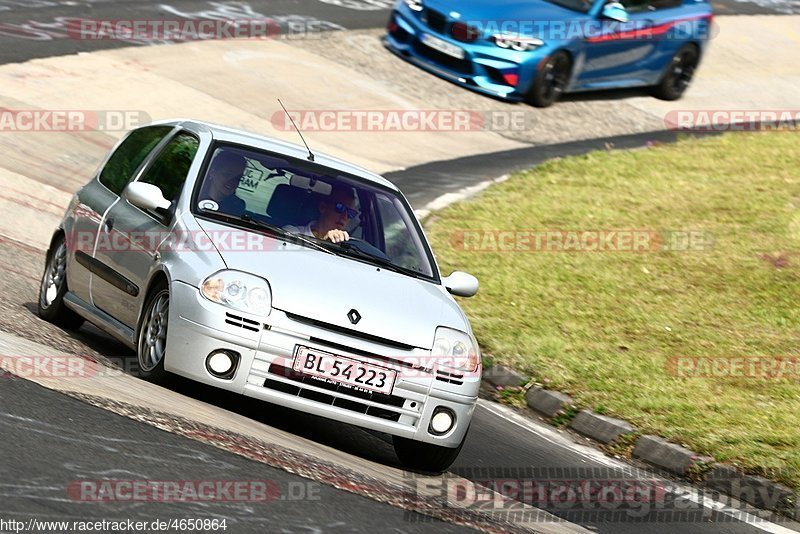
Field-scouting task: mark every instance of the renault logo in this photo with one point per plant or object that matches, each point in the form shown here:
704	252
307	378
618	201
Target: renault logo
354	316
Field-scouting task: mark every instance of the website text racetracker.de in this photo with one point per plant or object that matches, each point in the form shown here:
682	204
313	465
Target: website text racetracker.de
121	525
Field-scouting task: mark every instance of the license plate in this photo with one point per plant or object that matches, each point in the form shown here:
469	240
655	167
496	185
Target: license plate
343	370
443	46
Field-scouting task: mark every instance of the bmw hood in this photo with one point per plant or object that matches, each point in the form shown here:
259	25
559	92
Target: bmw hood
491	14
326	287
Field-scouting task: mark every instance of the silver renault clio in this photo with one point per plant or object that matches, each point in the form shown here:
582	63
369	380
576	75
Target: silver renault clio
256	266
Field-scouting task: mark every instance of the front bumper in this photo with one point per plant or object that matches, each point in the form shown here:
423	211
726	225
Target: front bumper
267	349
483	68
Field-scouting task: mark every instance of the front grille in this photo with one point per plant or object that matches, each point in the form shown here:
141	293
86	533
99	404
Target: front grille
291	374
349	332
436	20
461	66
241	322
339	402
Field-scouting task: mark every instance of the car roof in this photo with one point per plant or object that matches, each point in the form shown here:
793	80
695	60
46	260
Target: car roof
263	142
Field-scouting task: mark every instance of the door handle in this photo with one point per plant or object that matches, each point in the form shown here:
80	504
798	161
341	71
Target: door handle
109	224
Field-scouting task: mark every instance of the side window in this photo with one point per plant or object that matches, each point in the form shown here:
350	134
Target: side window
665	4
120	167
171	167
402	243
635	6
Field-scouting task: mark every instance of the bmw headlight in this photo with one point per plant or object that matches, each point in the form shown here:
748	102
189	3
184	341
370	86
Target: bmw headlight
414	5
455	350
238	290
516	42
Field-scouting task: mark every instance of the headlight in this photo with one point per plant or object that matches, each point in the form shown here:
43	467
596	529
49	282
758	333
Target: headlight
516	42
238	290
454	349
414	5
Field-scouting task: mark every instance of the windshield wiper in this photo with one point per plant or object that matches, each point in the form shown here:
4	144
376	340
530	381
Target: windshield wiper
352	250
280	232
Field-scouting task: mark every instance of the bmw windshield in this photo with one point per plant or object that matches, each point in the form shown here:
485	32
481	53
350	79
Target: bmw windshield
321	207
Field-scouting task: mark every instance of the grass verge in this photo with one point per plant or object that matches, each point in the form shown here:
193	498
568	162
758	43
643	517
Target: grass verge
624	330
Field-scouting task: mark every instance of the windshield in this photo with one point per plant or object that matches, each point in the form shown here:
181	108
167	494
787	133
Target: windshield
582	6
309	200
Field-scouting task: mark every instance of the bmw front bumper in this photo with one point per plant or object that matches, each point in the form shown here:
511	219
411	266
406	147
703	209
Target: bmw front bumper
485	67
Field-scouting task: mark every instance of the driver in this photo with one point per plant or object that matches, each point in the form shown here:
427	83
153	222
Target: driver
334	212
223	179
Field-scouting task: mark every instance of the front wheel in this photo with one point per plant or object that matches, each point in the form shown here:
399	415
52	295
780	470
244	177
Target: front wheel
551	81
51	305
152	343
678	75
425	456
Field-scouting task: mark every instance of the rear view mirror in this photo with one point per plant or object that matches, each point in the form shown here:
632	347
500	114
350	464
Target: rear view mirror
615	11
310	184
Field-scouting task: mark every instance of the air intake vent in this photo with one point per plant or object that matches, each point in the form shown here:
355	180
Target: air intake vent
450	378
241	322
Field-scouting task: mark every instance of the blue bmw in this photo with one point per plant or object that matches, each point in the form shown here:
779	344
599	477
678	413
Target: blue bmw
536	50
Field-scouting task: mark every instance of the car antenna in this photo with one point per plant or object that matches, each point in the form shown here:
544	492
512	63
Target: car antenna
310	154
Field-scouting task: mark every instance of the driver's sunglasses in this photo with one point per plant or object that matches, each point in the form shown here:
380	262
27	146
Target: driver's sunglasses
341	208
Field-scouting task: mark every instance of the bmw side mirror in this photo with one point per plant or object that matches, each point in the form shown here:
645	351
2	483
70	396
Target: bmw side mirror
461	284
615	11
145	196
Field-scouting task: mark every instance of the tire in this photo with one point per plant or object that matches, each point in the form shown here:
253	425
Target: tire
425	457
53	287
551	81
678	75
151	342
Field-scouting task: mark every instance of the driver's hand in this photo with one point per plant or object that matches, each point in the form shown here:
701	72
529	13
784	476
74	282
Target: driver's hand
337	236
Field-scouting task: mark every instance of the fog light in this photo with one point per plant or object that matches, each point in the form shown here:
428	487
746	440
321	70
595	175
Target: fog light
222	363
442	421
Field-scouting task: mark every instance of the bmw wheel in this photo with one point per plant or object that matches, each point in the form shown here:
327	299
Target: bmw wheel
51	305
152	343
551	81
678	75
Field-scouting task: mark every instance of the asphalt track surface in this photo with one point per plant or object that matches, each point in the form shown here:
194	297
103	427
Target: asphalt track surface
41	28
50	439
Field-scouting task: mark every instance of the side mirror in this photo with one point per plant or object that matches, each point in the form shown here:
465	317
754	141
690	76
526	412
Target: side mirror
145	196
615	11
461	284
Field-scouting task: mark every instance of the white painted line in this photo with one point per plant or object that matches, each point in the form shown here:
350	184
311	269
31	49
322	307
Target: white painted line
686	491
445	200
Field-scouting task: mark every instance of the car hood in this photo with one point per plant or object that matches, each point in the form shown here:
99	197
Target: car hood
325	287
492	12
